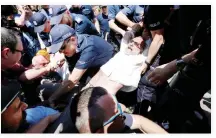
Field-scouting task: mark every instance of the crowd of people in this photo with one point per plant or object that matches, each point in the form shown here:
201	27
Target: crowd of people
104	68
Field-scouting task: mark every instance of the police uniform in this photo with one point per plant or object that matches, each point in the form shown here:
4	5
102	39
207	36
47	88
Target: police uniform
85	10
115	38
134	12
104	25
83	25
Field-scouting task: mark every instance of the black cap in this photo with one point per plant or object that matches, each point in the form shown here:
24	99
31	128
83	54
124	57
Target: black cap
38	19
8	94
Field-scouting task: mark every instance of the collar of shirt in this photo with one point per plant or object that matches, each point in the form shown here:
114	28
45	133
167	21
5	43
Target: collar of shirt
81	42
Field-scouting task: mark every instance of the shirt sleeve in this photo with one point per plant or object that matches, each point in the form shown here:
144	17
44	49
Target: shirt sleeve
129	10
34	115
129	120
111	12
86	59
85	26
88	12
156	16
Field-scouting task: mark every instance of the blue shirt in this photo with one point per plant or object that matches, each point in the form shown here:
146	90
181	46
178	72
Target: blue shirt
134	12
85	10
34	115
103	22
112	12
94	51
83	25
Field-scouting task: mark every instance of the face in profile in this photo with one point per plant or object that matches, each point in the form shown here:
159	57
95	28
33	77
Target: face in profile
69	47
13	117
135	46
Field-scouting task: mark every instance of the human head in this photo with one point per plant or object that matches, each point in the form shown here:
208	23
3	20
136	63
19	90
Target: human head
104	9
57	12
91	108
45	7
96	10
11	48
63	39
40	22
12	108
135	46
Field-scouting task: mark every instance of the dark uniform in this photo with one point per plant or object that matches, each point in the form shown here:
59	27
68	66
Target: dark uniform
84	10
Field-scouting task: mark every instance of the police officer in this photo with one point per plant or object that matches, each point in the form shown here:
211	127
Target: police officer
117	30
130	15
81	24
42	27
103	22
85	10
93	52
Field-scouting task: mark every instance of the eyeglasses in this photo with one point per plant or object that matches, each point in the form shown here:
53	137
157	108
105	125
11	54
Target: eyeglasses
120	112
22	52
135	43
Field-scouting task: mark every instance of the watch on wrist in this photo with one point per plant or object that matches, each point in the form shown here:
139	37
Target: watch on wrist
180	64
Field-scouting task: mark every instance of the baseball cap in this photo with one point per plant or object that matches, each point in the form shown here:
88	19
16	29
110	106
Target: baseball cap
8	94
58	34
38	19
56	12
101	6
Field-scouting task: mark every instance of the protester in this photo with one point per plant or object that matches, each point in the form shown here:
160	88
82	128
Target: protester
16	118
94	110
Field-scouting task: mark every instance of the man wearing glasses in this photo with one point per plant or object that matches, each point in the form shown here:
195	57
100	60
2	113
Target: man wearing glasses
94	110
11	51
11	69
123	71
93	52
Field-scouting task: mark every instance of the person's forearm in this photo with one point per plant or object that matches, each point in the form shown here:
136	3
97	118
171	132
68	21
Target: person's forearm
123	19
97	26
171	66
64	88
115	28
33	74
148	126
39	127
142	123
154	47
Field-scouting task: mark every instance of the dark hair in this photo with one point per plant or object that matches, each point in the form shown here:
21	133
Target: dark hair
7	10
8	39
84	109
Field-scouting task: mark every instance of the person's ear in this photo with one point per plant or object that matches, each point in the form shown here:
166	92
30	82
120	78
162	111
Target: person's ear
5	52
68	12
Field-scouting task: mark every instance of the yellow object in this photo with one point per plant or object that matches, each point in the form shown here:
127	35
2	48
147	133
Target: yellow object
44	53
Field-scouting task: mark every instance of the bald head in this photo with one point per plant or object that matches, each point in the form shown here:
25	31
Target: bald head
86	113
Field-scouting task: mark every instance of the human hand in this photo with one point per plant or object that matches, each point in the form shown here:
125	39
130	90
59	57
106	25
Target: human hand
160	75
